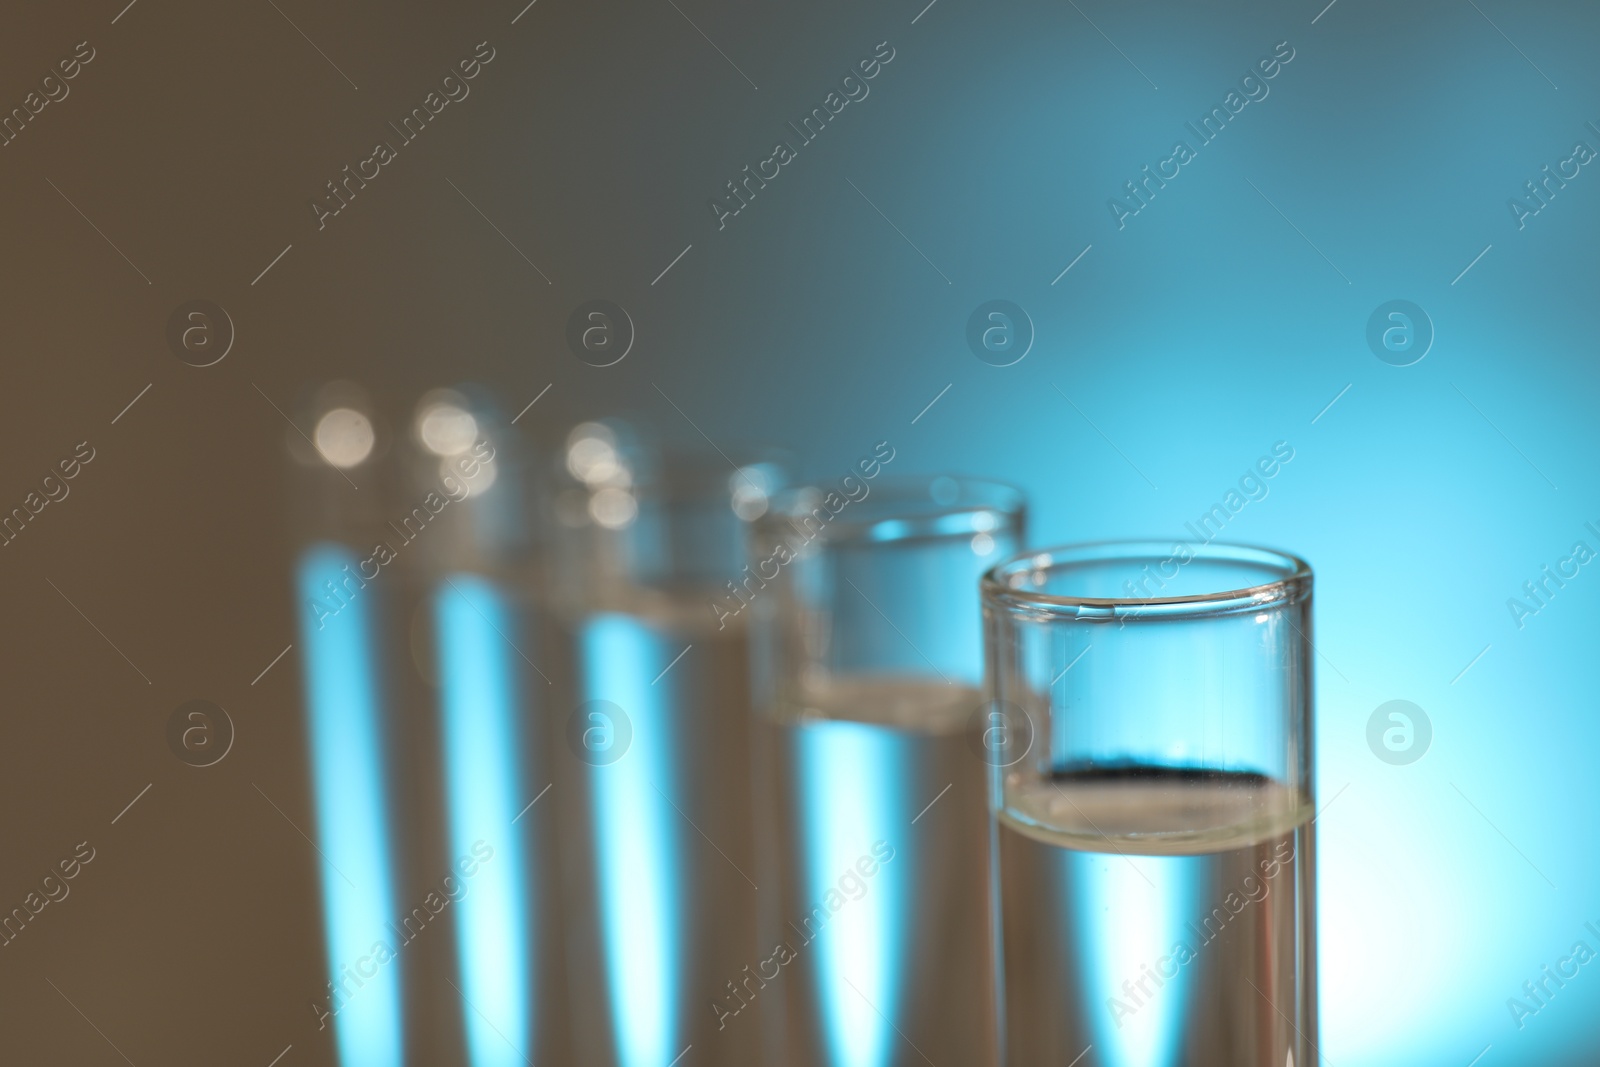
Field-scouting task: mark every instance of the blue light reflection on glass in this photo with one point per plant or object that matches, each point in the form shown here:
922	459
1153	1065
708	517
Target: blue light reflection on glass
635	841
342	703
1400	485
852	786
479	706
1131	908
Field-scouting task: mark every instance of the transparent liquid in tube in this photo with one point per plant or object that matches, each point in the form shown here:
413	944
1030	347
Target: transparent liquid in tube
1162	917
876	942
653	713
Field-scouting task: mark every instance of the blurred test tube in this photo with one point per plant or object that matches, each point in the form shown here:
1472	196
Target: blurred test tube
867	631
475	641
655	783
339	469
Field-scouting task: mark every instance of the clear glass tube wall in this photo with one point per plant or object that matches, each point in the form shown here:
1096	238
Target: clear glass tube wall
489	926
876	925
340	473
652	712
424	702
1151	737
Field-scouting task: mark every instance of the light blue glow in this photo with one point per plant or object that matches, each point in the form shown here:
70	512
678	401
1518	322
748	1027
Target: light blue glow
479	704
634	841
1131	908
347	775
852	792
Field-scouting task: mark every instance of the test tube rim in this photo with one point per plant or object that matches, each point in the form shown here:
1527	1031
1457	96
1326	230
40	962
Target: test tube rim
888	520
1292	586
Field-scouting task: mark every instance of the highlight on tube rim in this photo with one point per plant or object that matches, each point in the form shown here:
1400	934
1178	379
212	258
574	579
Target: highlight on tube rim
1004	583
906	507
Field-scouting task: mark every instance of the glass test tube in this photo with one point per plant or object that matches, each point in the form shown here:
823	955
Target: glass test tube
869	657
494	991
654	777
1153	783
348	716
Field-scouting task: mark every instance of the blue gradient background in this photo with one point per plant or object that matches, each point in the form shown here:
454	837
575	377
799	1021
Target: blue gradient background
1197	337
